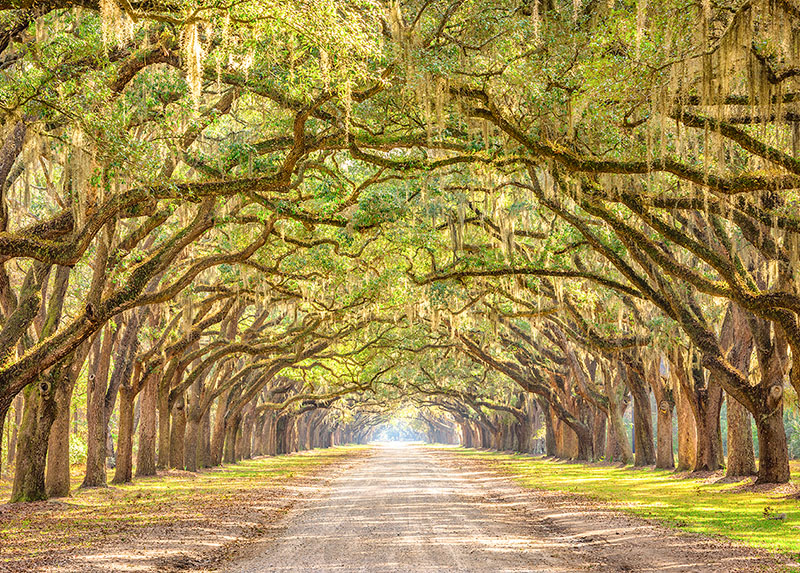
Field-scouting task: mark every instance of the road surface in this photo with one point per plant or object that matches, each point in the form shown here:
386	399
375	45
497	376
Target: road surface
412	508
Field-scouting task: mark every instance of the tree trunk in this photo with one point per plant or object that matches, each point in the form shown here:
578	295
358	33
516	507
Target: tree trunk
585	452
194	419
523	432
495	436
687	431
772	352
57	477
773	454
550	442
204	447
124	469
95	411
658	377
38	416
645	453
247	441
317	437
464	434
291	435
741	454
709	432
281	430
3	416
218	434
270	437
705	400
616	422
164	414
12	442
231	429
599	432
121	378
610	452
475	436
261	431
192	441
258	435
177	434
664	456
41	404
148	403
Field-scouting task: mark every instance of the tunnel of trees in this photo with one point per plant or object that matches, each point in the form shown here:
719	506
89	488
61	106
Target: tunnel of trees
231	229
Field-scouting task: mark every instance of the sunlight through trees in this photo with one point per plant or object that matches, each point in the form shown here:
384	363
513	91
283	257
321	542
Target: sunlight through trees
550	226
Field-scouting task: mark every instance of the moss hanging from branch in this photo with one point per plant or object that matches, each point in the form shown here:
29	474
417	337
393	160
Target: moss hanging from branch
536	21
193	55
325	68
110	21
641	21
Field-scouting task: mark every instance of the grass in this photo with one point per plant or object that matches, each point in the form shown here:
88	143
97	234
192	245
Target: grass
691	504
53	530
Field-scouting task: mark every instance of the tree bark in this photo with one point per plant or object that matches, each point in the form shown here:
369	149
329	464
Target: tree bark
709	438
146	457
192	442
523	433
687	428
38	416
705	401
599	432
204	447
615	420
658	377
40	397
3	416
231	430
177	434
270	445
164	415
124	367
772	352
281	430
550	446
57	477
741	454
194	418
218	434
12	442
773	453
664	455
247	441
95	411
645	454
738	340
124	471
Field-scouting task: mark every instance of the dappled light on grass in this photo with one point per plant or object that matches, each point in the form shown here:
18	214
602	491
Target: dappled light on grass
693	504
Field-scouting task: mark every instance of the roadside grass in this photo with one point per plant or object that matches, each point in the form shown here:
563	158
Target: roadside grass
118	512
699	505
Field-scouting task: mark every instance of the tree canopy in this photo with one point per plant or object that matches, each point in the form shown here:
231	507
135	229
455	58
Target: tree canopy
509	219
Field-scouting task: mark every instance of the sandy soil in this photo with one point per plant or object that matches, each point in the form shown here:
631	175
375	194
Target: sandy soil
410	508
142	530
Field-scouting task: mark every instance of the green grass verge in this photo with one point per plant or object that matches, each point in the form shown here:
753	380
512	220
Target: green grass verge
696	505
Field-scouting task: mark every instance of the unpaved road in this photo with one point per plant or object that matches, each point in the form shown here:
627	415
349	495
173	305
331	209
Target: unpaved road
409	508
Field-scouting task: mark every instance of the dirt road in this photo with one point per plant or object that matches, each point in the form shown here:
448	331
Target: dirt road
409	508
